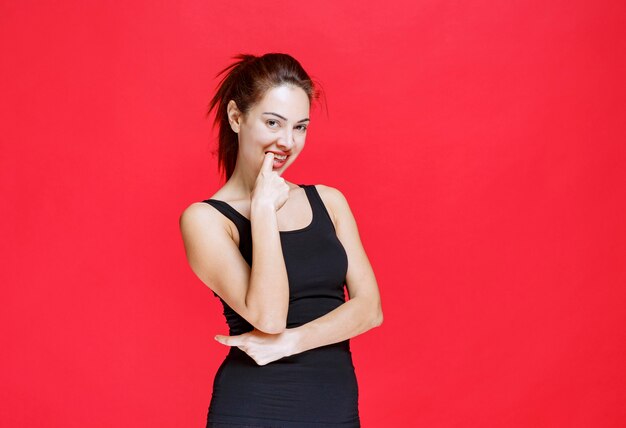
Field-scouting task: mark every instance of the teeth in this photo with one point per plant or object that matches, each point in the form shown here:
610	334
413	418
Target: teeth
283	157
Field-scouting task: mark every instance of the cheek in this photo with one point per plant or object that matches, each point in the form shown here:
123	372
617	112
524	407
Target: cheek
257	137
263	135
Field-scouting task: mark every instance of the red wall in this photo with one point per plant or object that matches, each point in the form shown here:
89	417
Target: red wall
481	145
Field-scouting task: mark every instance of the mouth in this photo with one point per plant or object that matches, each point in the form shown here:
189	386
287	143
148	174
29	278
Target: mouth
279	160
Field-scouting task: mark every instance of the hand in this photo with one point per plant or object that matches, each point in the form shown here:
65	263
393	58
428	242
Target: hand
263	347
270	187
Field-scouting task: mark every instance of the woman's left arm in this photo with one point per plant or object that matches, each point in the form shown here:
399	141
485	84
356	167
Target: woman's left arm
360	313
363	310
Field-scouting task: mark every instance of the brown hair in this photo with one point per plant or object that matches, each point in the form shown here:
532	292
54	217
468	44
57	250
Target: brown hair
245	81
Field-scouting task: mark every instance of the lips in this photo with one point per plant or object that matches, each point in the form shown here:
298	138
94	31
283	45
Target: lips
281	156
279	163
277	153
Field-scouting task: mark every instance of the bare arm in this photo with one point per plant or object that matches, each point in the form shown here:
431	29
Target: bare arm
268	292
260	293
361	313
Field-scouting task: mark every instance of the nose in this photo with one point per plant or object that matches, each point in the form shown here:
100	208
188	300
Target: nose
285	141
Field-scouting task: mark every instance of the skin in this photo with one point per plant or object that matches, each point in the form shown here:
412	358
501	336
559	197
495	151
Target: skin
255	189
259	132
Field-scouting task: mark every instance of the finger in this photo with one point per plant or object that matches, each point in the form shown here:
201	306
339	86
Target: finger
268	162
226	340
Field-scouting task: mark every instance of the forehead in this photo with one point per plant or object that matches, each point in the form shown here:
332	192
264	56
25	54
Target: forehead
291	100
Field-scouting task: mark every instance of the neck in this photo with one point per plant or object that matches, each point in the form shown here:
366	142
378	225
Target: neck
242	182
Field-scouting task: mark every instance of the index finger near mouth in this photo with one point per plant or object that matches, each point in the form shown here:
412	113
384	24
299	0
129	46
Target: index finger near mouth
268	162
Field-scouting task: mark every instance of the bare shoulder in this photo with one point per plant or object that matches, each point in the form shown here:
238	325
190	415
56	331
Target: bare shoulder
200	216
197	211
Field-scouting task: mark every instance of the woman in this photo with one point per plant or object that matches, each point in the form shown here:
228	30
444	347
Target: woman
289	362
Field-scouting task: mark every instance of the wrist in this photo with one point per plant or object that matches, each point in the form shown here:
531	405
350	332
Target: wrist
294	340
261	206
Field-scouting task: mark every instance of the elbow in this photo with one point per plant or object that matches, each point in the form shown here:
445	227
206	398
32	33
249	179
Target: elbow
377	311
378	319
271	326
268	320
373	316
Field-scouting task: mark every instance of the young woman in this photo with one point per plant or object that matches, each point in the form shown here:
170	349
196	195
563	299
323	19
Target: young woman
278	254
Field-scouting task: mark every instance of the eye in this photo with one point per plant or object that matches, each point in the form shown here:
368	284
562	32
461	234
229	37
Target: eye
271	123
302	128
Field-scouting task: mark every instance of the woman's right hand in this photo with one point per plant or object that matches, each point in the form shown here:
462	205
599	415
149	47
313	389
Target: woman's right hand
270	187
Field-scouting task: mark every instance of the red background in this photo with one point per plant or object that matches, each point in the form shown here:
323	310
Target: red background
481	145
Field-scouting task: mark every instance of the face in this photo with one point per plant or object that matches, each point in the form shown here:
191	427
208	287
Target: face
277	123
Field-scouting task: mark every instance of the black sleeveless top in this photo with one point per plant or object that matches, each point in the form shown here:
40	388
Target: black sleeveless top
313	389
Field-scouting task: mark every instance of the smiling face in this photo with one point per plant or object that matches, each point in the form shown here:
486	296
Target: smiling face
277	123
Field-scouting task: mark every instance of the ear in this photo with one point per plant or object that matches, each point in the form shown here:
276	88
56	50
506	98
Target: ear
234	116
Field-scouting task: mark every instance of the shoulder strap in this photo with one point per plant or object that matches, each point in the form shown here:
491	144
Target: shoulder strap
242	224
318	205
229	212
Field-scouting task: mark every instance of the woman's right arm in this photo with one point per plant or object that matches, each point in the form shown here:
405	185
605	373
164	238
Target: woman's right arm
260	294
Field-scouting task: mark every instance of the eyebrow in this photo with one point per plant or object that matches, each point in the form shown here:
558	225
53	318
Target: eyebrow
284	118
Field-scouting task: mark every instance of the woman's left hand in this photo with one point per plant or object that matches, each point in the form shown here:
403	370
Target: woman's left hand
262	347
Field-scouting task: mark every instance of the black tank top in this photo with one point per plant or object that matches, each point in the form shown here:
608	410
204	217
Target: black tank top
316	388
